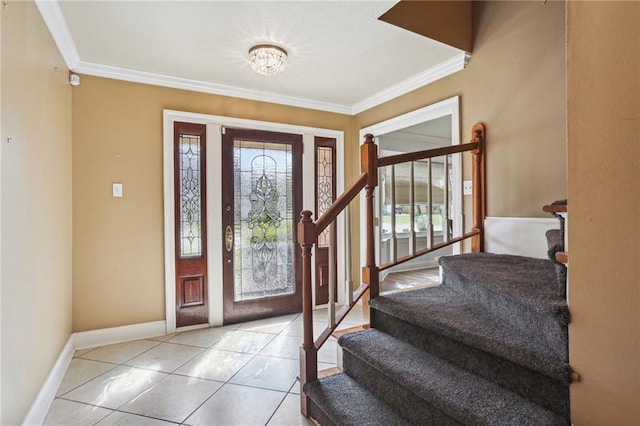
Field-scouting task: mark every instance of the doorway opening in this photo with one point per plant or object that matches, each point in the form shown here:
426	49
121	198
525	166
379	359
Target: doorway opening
437	185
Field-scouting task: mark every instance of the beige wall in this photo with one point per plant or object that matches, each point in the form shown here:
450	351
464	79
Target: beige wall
36	207
118	268
117	137
515	84
603	78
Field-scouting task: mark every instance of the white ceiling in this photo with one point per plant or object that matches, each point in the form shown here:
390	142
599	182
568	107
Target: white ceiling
341	57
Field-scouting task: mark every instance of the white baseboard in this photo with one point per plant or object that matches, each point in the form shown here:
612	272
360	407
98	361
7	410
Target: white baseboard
125	333
42	403
523	236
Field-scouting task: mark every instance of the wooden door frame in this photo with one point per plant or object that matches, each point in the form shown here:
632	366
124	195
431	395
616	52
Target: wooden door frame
214	125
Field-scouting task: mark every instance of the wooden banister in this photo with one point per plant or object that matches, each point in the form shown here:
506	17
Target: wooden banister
308	232
423	155
477	171
341	202
555	208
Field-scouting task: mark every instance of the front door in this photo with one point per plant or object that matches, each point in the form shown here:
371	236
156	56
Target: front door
261	203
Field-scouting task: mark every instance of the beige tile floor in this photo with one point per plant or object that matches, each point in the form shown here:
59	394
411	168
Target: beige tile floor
244	374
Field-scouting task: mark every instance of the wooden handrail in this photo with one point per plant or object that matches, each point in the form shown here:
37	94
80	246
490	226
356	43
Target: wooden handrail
555	208
423	155
340	203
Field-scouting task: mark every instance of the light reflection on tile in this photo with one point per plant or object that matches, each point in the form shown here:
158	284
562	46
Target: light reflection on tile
165	357
244	341
80	371
116	387
215	365
173	398
284	347
237	405
295	328
204	337
268	373
269	325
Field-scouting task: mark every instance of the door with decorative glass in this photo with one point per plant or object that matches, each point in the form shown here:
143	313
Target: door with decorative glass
189	143
261	202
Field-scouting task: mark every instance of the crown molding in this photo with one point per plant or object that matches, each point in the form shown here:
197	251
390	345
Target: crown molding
135	76
54	19
441	70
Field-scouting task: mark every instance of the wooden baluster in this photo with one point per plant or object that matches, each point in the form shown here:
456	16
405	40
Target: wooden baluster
308	352
347	249
477	171
445	217
369	162
331	314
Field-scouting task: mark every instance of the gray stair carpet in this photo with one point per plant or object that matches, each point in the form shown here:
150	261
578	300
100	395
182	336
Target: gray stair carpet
429	390
340	400
487	346
518	290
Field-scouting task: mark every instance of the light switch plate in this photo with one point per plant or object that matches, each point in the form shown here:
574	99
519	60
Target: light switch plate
467	187
117	189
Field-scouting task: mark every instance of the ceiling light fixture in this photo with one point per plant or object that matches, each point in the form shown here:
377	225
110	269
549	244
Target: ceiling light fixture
267	59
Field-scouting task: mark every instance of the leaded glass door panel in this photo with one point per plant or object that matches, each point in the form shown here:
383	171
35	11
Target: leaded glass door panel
325	192
192	305
262	193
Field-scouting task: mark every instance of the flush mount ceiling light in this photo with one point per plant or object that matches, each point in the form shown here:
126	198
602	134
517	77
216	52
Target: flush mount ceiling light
267	59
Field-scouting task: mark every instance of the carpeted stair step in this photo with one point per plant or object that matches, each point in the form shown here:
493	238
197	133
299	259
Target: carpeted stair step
439	321
340	400
430	391
519	290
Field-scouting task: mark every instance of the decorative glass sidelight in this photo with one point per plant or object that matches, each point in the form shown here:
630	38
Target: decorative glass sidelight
324	179
263	220
190	197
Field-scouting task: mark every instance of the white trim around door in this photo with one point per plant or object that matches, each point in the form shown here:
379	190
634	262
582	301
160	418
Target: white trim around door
215	124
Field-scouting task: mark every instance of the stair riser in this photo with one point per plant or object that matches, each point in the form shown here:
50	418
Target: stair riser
318	415
417	410
511	311
543	390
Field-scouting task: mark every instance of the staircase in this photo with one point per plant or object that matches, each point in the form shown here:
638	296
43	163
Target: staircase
486	347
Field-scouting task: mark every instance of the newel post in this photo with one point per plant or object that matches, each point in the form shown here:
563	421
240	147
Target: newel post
369	164
308	351
479	196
